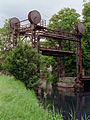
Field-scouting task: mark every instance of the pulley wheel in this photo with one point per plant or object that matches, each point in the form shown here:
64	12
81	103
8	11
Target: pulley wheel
34	17
80	28
14	23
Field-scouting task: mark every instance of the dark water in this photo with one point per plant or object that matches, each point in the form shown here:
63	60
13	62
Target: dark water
69	101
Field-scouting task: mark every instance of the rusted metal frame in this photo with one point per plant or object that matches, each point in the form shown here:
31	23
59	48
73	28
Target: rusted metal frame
46	30
22	21
23	30
38	44
59	59
54	37
59	62
38	51
79	60
54	52
30	35
57	50
64	34
25	36
15	35
33	39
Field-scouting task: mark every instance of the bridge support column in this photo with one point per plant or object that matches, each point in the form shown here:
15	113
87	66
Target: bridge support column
38	50
59	62
79	60
15	37
59	67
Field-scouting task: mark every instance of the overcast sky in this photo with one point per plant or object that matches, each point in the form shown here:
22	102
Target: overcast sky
21	8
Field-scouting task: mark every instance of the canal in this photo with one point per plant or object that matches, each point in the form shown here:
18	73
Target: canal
71	103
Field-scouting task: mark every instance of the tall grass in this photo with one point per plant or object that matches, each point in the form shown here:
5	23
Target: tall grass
19	103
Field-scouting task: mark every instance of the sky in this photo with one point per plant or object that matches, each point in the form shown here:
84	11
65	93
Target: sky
21	8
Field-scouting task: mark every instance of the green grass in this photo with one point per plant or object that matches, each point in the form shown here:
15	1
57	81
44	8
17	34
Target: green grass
18	103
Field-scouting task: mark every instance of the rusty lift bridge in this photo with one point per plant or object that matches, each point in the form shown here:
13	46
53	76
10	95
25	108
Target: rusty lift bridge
36	30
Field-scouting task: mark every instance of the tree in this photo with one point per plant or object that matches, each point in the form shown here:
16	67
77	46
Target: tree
86	38
65	19
22	63
4	41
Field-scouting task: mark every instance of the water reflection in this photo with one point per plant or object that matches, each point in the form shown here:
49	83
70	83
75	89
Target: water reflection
69	101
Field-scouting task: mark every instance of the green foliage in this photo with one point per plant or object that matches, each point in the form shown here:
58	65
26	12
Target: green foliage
48	77
54	116
86	38
86	13
18	103
0	67
22	63
65	18
46	61
70	66
4	39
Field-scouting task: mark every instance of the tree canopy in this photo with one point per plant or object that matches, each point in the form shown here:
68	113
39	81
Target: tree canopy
86	38
65	18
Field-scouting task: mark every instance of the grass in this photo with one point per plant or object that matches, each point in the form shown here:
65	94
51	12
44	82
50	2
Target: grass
19	103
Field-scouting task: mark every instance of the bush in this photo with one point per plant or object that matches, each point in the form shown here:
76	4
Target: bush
0	67
22	63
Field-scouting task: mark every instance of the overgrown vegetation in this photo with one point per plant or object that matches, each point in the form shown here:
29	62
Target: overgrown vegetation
4	41
86	39
66	19
22	62
18	103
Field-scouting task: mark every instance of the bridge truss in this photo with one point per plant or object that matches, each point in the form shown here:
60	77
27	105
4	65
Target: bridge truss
37	30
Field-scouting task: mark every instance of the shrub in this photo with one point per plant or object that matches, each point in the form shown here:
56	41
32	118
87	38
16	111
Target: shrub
0	67
22	63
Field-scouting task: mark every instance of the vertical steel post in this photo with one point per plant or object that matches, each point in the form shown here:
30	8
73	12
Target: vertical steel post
59	65
79	60
38	50
34	38
14	37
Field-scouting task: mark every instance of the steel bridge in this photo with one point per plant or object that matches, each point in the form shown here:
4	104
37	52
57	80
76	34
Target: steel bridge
37	30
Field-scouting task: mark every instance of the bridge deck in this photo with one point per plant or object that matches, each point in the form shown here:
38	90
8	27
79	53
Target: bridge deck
55	52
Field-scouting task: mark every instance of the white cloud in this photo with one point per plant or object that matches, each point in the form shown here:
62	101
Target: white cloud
21	8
